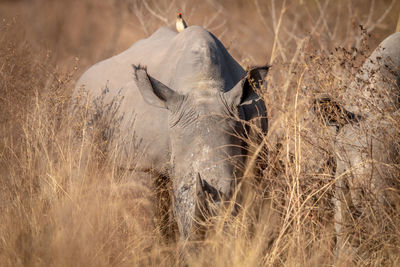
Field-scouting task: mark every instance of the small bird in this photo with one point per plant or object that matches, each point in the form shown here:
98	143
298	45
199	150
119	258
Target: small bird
180	23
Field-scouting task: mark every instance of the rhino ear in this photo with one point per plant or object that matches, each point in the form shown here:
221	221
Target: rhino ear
153	91
246	88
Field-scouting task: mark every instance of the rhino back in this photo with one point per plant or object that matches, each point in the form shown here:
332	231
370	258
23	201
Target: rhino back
378	80
138	133
180	61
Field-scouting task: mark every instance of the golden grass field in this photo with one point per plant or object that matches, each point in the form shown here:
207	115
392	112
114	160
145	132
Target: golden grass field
57	209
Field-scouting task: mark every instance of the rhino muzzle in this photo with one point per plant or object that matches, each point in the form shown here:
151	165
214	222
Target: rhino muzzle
194	204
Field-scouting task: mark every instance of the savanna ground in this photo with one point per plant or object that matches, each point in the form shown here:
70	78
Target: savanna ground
56	212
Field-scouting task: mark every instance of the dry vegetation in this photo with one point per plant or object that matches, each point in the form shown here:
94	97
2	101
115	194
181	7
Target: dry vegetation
56	212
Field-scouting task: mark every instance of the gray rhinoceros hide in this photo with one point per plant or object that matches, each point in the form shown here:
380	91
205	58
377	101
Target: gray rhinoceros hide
376	84
178	102
367	149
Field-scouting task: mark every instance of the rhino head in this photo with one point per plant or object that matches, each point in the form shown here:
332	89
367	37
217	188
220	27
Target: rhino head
206	132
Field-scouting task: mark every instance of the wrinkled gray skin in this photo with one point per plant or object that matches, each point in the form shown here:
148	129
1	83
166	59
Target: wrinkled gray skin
365	148
176	112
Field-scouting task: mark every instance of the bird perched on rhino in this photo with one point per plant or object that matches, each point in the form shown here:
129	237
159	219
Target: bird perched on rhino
180	23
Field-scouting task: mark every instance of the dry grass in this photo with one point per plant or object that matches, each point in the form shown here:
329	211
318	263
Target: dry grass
55	211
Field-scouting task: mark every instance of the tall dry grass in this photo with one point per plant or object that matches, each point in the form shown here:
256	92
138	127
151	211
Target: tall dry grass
61	208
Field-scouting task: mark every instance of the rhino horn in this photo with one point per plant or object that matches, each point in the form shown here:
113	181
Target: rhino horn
201	203
207	198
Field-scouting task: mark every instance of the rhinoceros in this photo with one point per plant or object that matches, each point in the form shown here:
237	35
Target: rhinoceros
182	107
367	148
